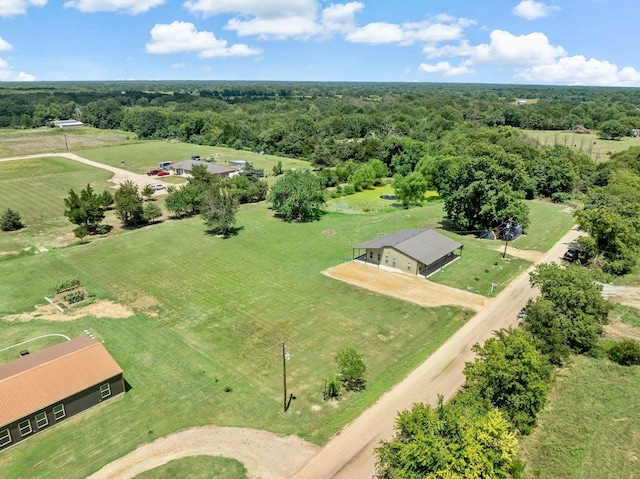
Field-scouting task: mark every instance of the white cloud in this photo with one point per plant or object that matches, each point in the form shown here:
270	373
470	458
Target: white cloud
505	48
340	18
131	6
6	74
9	8
577	70
254	8
279	28
5	45
531	10
439	29
377	33
179	37
446	68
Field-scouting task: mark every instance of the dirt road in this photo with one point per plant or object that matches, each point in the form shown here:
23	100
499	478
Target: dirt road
119	175
349	455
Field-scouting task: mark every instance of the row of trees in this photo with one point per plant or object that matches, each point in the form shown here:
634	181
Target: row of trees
474	435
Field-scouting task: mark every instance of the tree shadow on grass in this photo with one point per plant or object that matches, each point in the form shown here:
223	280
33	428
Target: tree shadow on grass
228	234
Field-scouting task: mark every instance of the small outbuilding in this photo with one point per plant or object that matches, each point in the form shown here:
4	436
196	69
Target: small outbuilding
413	251
184	168
42	389
67	123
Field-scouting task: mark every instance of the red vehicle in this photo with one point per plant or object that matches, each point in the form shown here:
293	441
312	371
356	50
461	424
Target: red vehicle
162	173
153	172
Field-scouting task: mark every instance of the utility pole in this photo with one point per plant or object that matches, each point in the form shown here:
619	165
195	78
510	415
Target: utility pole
508	230
285	357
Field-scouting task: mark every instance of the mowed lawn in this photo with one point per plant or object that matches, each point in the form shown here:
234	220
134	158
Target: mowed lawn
590	428
205	345
36	188
141	157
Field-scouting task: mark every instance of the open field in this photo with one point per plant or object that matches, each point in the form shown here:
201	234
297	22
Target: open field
589	429
14	142
205	344
209	317
199	467
36	189
627	315
369	201
587	143
548	222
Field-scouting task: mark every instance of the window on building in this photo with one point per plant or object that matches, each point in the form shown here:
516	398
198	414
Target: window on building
386	259
24	427
105	391
41	420
394	262
409	266
58	412
5	437
370	254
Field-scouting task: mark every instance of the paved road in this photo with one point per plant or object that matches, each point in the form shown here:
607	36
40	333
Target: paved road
119	175
349	455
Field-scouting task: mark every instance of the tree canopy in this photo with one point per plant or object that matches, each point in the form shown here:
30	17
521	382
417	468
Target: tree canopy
298	196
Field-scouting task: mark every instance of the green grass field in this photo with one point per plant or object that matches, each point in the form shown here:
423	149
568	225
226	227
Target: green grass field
199	467
14	142
211	316
369	201
589	429
36	189
587	143
205	344
626	314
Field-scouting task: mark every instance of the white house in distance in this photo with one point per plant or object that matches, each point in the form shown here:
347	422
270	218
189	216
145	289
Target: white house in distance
67	123
183	168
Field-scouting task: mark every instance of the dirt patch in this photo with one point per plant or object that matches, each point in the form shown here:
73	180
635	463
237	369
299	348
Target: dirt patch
414	289
64	240
328	232
48	312
265	455
629	295
529	255
620	330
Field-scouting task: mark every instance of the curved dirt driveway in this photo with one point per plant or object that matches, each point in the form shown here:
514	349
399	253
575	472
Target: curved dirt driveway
264	454
119	175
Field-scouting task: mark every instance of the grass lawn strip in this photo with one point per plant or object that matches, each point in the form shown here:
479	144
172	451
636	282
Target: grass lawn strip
589	429
199	467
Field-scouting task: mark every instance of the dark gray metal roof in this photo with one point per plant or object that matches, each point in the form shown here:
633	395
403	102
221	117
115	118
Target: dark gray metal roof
426	246
212	168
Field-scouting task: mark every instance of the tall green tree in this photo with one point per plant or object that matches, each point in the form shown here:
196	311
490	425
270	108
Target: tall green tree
512	375
219	208
410	189
129	204
297	196
448	441
85	209
570	312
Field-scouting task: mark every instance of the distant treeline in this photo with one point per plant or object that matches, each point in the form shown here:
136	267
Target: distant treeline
305	120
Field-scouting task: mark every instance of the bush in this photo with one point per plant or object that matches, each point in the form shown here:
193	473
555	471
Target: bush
75	297
333	387
348	190
10	220
66	285
625	353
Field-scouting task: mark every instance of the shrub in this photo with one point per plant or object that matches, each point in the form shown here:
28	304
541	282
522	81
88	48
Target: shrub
625	352
10	220
74	297
66	284
348	189
333	387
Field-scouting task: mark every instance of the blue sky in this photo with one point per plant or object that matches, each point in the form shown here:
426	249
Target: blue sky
585	42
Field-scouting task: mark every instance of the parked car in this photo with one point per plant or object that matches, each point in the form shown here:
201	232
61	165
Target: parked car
157	186
153	172
571	255
521	315
162	173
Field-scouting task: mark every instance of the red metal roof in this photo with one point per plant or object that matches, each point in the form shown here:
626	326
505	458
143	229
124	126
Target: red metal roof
38	380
